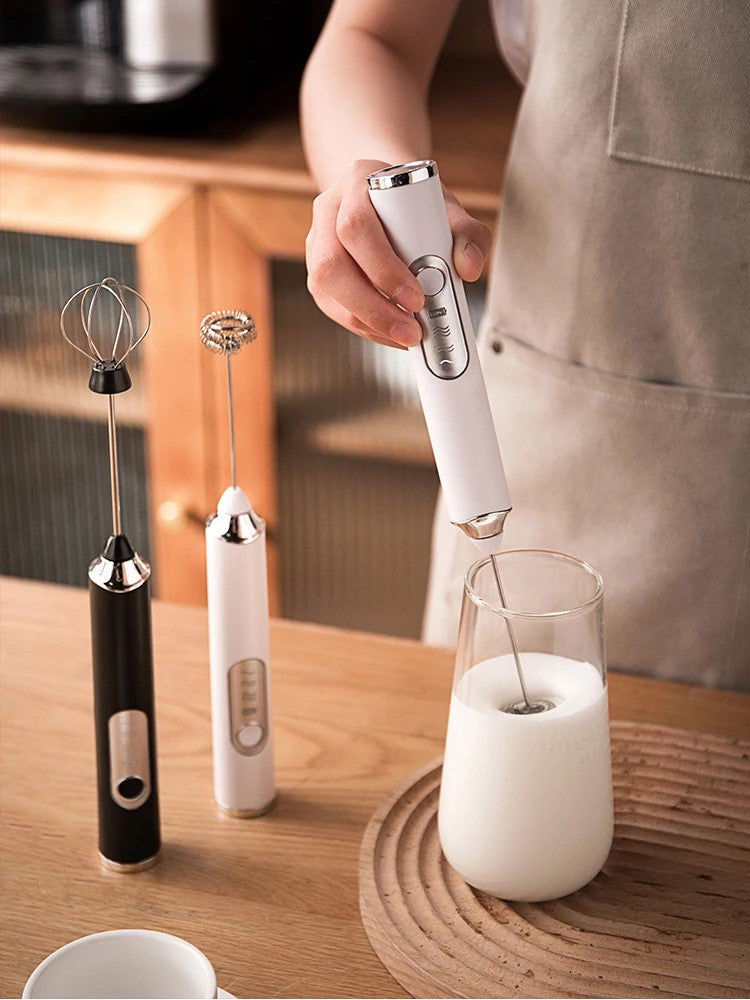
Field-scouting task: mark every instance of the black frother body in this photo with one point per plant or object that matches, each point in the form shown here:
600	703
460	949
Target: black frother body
120	599
119	591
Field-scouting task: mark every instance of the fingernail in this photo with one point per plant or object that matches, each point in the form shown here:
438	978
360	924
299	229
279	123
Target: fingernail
409	298
406	334
474	256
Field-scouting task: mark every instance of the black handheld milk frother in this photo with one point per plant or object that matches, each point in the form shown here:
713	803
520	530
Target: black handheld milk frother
119	592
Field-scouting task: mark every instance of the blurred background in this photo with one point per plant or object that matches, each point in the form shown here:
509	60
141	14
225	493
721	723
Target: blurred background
158	141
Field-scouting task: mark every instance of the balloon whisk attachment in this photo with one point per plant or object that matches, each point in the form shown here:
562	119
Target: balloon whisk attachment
106	331
226	332
97	322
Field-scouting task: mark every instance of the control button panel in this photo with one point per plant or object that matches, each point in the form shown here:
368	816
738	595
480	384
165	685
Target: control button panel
129	768
248	706
444	346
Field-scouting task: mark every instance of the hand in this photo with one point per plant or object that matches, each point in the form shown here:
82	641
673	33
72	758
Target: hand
353	273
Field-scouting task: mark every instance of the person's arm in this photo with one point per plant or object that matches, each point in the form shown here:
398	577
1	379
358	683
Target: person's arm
364	106
364	92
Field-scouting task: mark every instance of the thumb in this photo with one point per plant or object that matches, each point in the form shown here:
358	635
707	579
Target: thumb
472	240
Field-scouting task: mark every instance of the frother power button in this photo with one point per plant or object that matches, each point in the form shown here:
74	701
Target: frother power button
250	736
431	280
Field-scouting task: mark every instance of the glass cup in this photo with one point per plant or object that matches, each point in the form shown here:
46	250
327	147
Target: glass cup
526	809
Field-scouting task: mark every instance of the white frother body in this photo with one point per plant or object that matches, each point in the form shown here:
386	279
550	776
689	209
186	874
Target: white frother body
239	657
455	401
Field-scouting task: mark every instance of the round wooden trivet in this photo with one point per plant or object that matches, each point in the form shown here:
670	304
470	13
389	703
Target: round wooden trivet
668	916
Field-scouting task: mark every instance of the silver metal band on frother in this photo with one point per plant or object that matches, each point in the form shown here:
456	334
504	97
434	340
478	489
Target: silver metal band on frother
402	174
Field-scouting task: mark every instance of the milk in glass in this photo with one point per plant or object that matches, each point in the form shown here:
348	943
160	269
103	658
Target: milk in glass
526	800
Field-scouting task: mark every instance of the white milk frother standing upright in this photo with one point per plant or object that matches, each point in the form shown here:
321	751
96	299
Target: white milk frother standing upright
238	620
409	202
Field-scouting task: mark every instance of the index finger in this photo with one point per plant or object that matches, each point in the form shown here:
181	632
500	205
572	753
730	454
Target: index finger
361	233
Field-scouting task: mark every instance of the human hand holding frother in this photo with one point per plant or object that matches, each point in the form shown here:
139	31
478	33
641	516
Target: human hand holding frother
354	274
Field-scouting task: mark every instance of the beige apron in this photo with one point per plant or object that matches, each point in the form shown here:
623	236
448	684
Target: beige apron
616	344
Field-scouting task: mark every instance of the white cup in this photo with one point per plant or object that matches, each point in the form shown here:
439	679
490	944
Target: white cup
124	963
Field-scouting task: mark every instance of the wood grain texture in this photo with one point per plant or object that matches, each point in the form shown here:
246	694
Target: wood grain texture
116	209
275	222
473	105
181	429
273	902
382	433
667	916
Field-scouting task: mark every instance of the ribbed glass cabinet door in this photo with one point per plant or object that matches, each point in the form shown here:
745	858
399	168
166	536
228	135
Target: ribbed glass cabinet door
54	484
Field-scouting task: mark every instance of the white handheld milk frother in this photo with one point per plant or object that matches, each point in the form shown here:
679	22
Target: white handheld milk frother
238	620
408	199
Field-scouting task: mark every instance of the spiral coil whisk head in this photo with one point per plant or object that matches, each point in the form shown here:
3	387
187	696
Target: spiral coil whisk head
128	332
226	331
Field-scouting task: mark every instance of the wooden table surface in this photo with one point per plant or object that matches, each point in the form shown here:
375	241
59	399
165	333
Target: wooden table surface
273	902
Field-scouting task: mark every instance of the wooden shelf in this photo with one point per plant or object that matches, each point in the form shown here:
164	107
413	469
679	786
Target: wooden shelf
473	105
385	434
63	394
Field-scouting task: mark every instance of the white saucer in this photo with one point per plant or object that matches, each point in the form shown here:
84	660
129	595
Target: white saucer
223	995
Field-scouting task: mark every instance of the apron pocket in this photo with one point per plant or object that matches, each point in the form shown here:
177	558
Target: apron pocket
682	86
648	482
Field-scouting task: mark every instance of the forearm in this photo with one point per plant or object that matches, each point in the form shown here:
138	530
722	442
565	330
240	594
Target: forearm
361	99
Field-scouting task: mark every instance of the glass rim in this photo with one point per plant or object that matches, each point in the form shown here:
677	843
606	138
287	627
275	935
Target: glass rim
506	612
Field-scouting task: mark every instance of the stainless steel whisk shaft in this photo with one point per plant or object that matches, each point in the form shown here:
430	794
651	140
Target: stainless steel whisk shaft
114	474
225	332
230	403
512	636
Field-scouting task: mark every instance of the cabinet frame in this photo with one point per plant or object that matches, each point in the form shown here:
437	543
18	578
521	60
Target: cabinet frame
193	255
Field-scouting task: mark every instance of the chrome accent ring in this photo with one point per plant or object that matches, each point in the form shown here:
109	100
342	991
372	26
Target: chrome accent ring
119	577
484	525
247	813
128	867
402	174
238	529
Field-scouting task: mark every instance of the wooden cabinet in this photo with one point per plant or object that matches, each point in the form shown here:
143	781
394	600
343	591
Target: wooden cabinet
193	255
205	218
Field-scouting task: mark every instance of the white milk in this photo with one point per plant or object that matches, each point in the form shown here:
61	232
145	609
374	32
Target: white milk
526	800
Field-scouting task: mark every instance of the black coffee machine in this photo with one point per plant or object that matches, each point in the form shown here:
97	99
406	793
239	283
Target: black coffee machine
144	64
